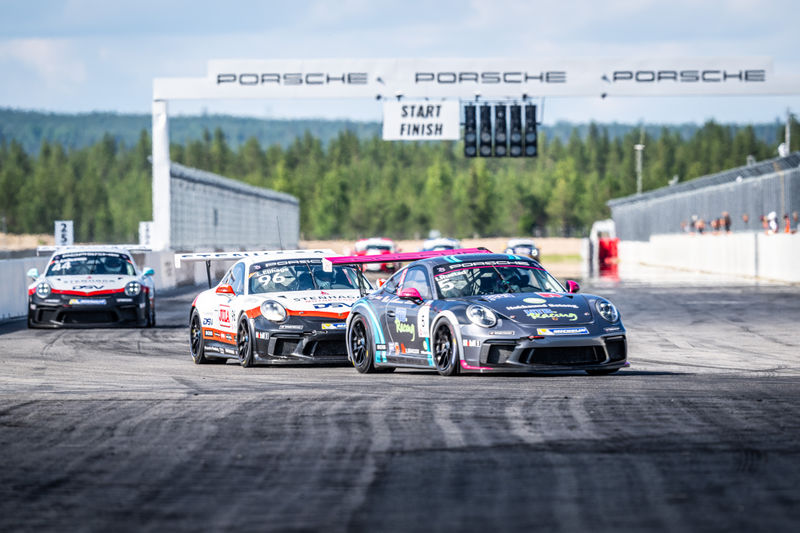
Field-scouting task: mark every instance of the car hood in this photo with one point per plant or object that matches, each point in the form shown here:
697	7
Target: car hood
539	308
328	303
89	285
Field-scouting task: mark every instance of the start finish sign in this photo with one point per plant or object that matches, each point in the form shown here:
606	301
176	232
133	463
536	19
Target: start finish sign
422	120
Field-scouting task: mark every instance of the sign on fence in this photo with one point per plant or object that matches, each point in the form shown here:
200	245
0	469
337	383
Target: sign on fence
63	233
145	233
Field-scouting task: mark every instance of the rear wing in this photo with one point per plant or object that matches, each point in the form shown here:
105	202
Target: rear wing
265	255
132	248
402	257
262	254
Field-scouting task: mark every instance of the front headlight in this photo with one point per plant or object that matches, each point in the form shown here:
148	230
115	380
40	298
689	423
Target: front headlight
607	310
481	316
273	311
133	288
43	290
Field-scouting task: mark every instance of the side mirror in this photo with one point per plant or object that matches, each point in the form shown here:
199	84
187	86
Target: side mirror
410	294
225	289
572	286
33	273
148	272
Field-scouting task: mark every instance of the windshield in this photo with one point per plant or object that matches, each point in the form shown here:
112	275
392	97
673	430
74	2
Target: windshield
282	276
83	264
492	277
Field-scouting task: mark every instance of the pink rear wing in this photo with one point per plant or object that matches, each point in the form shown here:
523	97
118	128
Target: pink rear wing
403	257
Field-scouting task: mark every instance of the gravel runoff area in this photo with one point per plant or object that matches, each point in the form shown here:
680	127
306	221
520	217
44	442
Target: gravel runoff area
117	430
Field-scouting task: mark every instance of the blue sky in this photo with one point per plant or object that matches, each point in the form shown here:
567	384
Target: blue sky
90	55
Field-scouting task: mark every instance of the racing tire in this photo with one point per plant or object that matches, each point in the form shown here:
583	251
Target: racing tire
446	353
150	319
602	371
359	345
244	344
196	340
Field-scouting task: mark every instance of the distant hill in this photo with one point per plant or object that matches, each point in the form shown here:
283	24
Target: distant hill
30	128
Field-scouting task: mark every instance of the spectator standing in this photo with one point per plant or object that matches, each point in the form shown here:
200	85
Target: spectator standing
787	223
726	221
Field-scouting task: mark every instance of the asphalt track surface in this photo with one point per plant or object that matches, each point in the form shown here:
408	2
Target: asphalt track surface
117	430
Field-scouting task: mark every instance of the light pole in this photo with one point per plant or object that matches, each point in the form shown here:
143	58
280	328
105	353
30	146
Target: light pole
639	149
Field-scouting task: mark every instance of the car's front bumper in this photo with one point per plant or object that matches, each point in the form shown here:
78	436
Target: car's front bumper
60	311
542	354
310	340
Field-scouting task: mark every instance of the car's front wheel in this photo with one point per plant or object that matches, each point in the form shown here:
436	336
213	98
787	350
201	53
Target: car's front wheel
196	341
244	343
359	344
446	354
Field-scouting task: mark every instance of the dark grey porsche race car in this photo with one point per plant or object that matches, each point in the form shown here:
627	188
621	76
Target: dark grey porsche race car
481	312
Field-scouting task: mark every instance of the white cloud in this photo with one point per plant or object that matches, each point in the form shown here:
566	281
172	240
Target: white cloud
52	60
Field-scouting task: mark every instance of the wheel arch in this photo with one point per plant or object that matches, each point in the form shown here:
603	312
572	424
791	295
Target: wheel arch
449	316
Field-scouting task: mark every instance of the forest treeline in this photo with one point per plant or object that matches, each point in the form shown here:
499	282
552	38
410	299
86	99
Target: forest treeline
354	187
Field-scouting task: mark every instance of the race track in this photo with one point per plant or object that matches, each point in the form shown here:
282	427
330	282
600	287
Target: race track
117	430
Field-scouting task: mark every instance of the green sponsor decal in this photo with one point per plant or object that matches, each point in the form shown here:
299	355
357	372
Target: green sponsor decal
404	327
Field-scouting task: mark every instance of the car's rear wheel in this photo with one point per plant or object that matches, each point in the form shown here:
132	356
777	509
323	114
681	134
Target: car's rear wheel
359	343
244	343
446	354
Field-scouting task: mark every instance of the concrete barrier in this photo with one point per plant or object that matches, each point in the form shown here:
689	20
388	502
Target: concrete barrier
14	293
749	255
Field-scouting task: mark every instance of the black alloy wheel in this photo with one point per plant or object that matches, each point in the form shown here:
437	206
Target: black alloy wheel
358	342
196	341
244	344
445	350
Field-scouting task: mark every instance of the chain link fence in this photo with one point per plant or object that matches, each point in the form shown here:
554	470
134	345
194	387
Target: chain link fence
746	193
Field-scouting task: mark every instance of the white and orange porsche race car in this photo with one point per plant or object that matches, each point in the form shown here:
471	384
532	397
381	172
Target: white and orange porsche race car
273	307
91	286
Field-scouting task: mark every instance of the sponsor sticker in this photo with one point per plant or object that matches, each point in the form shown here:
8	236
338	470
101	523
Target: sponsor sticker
331	305
502	332
262	335
290	326
401	313
612	329
473	343
87	301
534	300
549	313
338	325
405	327
528	306
224	314
423	320
562	331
